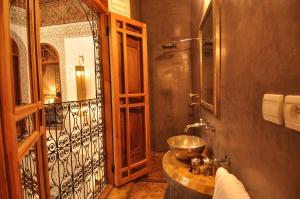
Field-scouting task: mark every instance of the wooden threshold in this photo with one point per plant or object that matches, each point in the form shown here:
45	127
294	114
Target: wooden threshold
107	189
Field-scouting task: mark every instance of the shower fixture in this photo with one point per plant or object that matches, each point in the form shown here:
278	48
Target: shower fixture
173	44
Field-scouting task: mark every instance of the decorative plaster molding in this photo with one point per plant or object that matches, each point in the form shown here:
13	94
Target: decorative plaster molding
63	12
18	16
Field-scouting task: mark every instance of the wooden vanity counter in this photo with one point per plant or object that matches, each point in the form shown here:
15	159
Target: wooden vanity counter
178	172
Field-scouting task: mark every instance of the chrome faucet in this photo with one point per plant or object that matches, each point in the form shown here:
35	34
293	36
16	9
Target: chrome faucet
202	123
199	124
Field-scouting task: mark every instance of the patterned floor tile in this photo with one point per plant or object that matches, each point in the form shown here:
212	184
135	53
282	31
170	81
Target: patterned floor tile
151	186
120	192
156	174
148	190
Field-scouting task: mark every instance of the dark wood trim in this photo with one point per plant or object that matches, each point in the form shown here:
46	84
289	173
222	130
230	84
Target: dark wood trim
132	105
42	144
147	101
107	99
131	33
3	177
133	95
114	87
100	6
23	111
26	145
105	192
127	20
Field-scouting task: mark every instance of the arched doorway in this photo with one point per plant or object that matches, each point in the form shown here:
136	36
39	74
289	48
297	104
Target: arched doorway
51	74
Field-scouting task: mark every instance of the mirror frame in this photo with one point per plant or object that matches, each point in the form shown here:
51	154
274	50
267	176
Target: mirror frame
212	6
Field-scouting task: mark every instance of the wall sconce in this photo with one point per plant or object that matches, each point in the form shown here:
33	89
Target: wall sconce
80	79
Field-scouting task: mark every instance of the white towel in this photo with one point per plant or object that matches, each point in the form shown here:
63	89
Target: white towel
228	186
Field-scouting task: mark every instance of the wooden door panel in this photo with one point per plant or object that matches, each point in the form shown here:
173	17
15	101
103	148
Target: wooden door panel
136	100
130	99
134	65
121	63
123	133
137	134
133	28
21	101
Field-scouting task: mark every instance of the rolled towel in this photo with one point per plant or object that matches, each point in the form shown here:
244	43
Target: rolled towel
228	186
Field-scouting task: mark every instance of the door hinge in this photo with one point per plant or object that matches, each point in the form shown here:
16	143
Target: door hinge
107	30
113	168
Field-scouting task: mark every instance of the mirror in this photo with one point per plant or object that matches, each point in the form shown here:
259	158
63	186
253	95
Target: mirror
210	57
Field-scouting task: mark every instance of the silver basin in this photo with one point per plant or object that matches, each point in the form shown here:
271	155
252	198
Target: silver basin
185	146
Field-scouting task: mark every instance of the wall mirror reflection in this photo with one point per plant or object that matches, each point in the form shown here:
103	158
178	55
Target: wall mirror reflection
210	58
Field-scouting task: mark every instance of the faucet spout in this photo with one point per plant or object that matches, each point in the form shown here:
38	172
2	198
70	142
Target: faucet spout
195	125
202	123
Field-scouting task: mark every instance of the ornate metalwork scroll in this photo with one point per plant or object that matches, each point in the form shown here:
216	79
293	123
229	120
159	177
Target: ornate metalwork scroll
28	173
76	155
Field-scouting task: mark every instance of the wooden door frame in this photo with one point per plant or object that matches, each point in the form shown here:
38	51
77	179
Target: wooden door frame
101	8
10	114
10	184
107	99
3	177
7	107
115	93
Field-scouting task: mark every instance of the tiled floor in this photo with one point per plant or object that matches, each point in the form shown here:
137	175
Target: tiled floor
152	186
148	190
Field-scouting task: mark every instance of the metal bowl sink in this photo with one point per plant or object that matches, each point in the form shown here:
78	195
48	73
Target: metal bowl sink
186	147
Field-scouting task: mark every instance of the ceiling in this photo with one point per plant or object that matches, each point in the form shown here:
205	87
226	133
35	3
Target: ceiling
18	3
47	1
57	12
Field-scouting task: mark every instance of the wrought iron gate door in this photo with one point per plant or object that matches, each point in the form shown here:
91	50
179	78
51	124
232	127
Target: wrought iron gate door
75	136
76	156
